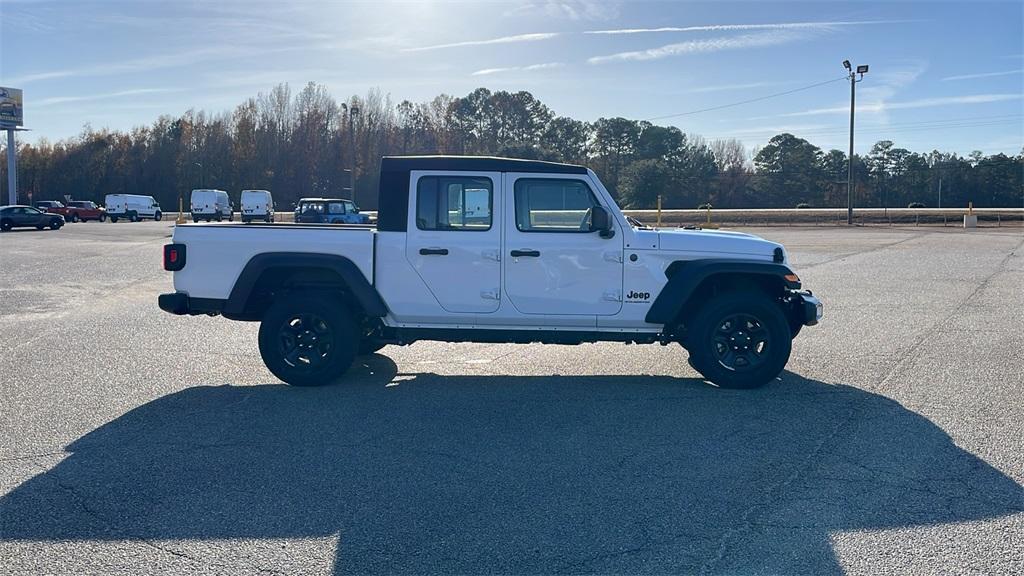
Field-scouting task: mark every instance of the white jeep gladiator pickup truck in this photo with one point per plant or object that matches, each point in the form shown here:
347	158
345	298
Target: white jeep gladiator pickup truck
477	249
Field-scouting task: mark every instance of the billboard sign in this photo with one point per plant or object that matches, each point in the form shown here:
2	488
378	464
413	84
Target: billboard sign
11	108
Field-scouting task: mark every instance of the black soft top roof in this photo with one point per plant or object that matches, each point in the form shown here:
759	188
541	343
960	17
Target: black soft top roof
475	164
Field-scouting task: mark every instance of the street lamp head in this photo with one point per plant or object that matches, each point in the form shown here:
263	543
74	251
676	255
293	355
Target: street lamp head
846	64
862	69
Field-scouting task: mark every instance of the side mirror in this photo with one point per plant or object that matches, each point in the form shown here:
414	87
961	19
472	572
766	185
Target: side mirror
601	221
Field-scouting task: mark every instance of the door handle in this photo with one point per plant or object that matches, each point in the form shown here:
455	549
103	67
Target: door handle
433	251
518	253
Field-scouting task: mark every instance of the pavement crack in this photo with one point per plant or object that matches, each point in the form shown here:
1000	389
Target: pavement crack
772	494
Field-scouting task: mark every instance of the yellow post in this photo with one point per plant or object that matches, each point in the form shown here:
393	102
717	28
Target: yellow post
181	213
659	211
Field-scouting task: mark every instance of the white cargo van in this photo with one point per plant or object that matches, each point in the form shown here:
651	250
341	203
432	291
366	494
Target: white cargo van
211	205
257	205
132	207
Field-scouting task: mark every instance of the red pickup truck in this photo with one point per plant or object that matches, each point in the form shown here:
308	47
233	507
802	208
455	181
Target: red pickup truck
75	211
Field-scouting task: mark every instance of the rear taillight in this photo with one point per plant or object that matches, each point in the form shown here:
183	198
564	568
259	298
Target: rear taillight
174	257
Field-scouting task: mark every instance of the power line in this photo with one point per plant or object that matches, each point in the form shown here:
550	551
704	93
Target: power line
879	128
776	95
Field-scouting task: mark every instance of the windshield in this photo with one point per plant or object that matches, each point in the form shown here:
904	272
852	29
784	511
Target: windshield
314	206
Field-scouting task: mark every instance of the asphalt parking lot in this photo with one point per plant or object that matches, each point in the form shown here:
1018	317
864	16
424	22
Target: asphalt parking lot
136	442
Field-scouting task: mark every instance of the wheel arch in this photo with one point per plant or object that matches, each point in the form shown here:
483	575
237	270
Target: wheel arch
692	282
268	274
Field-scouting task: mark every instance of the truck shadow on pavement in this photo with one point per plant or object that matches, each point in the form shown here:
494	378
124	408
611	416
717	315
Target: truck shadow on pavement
422	473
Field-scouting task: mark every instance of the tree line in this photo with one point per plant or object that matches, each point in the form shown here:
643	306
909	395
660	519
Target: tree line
309	144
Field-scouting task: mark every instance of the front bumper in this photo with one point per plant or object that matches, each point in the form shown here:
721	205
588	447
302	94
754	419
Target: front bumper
807	306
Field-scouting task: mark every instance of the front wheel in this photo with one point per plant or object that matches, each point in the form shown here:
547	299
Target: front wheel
740	340
103	218
113	219
55	224
158	216
308	340
74	218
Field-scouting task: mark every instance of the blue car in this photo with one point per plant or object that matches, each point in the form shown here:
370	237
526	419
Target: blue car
329	211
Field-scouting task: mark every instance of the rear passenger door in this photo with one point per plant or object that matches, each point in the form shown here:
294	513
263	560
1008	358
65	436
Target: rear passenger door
454	240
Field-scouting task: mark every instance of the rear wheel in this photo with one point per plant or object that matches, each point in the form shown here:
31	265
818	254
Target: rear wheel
113	219
74	218
308	340
369	346
6	225
134	217
740	340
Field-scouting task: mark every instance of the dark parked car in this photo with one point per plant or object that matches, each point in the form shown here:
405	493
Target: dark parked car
26	216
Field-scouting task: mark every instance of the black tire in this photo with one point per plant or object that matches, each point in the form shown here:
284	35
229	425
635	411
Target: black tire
218	217
113	219
231	217
55	224
368	346
158	216
269	219
6	225
195	220
74	218
245	220
40	227
740	340
308	339
102	218
134	217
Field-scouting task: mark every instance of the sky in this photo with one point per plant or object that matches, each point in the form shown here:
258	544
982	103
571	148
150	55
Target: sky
944	75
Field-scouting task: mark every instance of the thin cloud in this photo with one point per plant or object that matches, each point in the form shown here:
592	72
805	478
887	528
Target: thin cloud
910	104
501	40
983	75
147	63
737	27
760	39
569	9
530	68
90	97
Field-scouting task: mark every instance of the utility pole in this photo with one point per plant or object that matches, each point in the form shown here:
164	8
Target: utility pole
12	169
861	70
940	191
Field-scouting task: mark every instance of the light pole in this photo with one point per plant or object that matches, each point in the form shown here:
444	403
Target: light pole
353	113
854	78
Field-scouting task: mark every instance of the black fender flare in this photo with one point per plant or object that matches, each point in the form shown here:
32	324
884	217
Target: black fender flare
364	293
684	276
